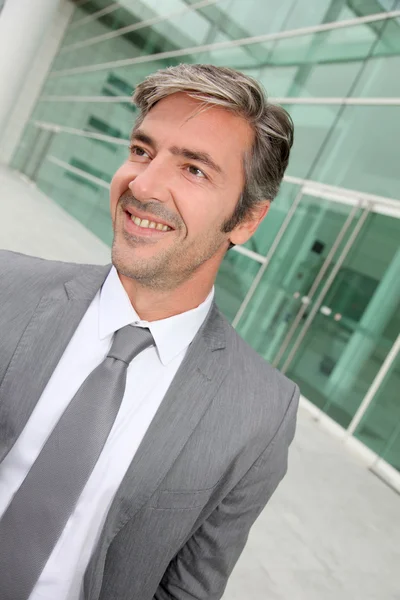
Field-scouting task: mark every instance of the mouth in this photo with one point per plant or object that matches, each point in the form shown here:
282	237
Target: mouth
145	225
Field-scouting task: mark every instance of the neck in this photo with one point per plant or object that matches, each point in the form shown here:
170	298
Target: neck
154	304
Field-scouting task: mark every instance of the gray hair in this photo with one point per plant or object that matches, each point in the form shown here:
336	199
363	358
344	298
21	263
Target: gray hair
243	95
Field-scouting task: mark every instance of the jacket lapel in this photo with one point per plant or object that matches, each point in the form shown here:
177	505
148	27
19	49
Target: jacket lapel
40	348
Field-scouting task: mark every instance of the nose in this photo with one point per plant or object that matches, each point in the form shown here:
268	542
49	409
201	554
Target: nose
152	182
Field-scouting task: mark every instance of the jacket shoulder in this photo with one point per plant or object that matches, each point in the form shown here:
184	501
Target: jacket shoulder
261	393
10	260
256	369
22	272
25	279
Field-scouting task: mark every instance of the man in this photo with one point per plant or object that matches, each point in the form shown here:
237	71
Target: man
133	467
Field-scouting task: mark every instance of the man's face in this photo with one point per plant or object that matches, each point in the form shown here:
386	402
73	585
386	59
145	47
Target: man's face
185	171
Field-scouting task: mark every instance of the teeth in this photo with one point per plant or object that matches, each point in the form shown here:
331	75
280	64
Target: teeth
146	224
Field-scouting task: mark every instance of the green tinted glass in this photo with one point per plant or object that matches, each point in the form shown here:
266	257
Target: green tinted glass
380	427
234	279
356	324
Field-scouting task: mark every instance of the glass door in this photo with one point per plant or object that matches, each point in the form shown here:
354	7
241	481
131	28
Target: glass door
281	302
338	346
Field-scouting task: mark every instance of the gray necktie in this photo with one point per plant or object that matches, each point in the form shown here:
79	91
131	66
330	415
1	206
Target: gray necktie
39	511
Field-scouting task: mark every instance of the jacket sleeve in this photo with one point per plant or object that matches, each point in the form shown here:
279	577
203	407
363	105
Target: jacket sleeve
201	569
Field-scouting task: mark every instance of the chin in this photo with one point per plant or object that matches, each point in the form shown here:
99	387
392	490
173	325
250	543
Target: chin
133	262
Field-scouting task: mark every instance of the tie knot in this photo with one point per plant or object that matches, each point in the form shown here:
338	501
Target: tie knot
128	342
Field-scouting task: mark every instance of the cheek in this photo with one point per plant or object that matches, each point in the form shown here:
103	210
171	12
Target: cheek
203	212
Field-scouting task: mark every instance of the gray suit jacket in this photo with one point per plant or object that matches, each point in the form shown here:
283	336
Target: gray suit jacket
210	460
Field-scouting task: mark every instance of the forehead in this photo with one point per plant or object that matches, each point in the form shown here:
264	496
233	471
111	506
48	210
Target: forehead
180	118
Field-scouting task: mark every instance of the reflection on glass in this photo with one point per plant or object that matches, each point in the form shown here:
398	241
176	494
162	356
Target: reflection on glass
363	158
291	273
355	328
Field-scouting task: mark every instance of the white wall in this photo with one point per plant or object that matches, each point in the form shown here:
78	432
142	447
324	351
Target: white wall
33	84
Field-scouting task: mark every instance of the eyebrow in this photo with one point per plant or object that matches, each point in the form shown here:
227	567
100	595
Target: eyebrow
140	136
189	154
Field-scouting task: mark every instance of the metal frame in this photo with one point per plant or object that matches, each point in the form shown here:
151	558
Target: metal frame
375	385
250	254
345	195
228	44
81	133
60	163
100	13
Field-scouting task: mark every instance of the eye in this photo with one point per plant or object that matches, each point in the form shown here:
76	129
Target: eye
196	172
138	151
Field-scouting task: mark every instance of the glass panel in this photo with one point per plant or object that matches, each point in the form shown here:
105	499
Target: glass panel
327	80
377	79
224	20
356	325
363	157
380	427
233	281
349	43
89	44
81	198
389	40
291	273
83	26
343	45
267	231
312	124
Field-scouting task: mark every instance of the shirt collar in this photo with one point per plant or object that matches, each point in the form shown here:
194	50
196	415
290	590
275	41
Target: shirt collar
171	335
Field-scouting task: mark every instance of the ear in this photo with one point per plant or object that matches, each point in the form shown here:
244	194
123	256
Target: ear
244	230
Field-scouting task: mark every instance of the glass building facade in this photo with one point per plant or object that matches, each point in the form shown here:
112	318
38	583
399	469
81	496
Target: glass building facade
316	291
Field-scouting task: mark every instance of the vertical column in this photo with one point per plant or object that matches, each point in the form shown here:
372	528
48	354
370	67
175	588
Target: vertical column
23	24
362	343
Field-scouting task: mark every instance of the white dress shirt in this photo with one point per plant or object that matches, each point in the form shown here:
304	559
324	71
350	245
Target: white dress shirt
148	378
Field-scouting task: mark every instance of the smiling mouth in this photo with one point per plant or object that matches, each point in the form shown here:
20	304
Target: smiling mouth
144	228
146	224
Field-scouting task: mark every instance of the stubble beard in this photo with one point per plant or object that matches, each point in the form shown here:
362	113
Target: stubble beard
169	268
